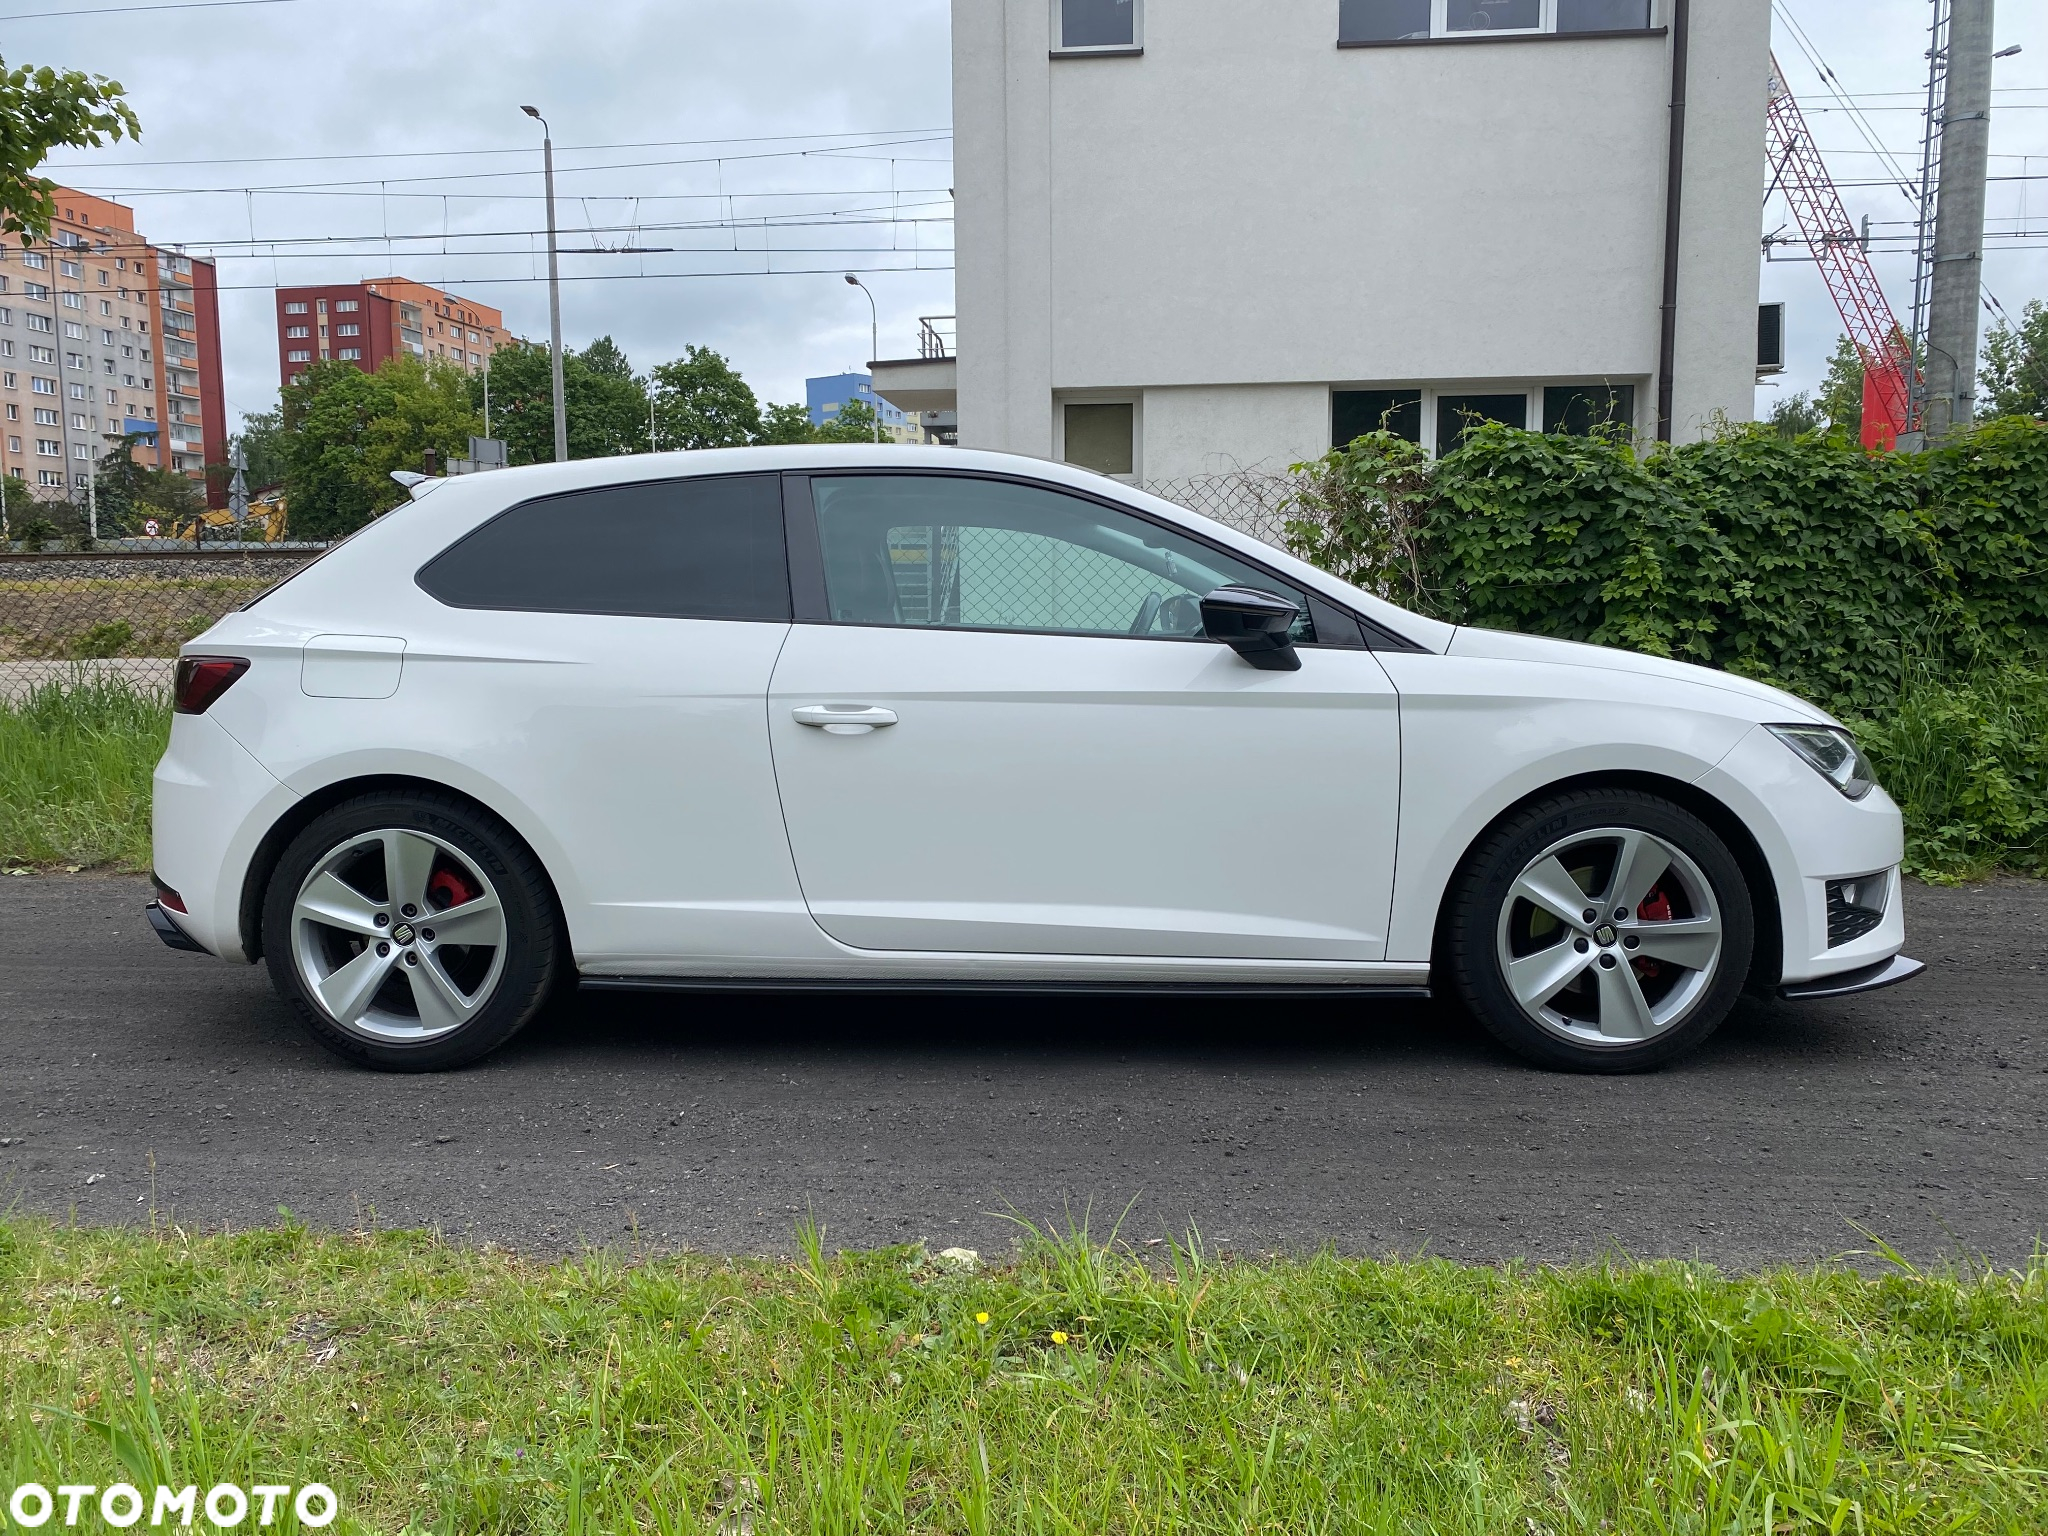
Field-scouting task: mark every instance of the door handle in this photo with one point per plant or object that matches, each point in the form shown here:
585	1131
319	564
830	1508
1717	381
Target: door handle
844	719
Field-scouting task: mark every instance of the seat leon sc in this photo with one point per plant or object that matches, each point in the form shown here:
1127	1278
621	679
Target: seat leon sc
869	717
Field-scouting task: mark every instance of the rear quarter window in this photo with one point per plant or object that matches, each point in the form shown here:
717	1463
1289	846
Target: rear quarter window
709	548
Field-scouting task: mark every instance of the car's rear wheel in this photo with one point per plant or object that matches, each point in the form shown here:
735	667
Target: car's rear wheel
411	931
1600	931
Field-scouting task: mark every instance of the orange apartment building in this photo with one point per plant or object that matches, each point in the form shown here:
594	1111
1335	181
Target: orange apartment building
102	333
369	322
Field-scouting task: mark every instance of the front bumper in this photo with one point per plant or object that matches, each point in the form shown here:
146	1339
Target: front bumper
1886	973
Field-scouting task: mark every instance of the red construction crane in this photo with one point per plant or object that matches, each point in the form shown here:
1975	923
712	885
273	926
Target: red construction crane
1837	246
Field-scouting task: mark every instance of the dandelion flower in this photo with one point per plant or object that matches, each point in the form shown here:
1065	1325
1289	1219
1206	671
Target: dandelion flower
981	1318
1058	1337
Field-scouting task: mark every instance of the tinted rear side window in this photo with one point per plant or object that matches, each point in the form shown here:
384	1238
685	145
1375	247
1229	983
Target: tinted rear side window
680	549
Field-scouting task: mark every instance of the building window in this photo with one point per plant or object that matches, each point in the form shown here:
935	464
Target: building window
45	418
1355	412
49	448
106	306
41	323
39	385
37	291
13	411
320	306
297	330
6	316
74	300
6	349
1387	21
347	306
53	477
74	330
1102	437
7	379
1591	410
77	421
348	330
35	259
81	451
79	392
1458	414
298	355
104	281
106	338
350	354
69	268
38	354
295	307
1093	26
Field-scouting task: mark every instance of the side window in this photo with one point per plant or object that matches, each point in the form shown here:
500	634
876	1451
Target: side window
959	553
682	549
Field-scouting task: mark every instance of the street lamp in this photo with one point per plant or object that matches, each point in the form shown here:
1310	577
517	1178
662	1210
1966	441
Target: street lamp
547	151
874	347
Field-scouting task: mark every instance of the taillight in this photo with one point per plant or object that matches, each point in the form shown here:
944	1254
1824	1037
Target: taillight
202	679
165	896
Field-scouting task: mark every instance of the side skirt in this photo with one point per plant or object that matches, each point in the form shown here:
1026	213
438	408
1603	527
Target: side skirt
888	987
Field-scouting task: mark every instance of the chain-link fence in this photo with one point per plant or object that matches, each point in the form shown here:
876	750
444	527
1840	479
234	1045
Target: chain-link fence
1248	500
123	612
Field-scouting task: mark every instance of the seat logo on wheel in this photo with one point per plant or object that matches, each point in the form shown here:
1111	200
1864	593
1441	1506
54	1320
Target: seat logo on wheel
402	934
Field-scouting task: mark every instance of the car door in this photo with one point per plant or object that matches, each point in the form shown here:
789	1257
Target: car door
1002	731
601	658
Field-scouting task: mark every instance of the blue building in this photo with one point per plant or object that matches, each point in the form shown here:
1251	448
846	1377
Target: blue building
824	398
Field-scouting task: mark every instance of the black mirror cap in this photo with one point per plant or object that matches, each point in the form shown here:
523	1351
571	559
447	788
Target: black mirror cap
1254	624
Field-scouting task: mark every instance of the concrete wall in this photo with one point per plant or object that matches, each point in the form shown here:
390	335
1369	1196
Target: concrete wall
1246	204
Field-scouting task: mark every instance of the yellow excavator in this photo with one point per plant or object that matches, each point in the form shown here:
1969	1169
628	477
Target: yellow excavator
264	524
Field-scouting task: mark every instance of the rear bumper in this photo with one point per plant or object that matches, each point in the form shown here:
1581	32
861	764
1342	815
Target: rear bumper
168	930
1886	973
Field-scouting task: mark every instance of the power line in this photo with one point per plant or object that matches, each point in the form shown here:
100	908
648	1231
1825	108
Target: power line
645	277
560	149
123	10
293	187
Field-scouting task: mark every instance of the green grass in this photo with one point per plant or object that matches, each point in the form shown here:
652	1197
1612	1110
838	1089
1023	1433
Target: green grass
75	766
1966	756
1078	1388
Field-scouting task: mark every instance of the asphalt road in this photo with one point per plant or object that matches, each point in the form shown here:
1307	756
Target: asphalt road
134	1079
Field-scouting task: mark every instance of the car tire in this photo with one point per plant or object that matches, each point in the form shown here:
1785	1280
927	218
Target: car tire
1634	962
351	938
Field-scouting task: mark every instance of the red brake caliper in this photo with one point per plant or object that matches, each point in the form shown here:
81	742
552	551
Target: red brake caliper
1654	908
446	888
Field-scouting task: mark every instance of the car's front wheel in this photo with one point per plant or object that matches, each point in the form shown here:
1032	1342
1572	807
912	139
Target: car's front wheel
1600	931
411	931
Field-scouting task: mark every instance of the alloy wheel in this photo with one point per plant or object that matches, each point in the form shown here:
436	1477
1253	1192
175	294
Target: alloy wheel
398	936
1610	936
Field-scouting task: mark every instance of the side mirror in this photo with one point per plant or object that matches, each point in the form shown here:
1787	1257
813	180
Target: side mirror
1254	624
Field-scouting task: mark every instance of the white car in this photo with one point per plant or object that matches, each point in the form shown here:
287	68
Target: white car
896	718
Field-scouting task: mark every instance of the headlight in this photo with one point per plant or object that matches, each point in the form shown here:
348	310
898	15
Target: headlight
1833	754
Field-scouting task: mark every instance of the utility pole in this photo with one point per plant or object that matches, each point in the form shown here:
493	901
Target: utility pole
1951	363
547	152
92	500
653	446
238	487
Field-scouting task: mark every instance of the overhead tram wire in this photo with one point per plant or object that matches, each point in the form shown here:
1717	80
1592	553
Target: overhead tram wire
426	154
653	277
125	10
309	187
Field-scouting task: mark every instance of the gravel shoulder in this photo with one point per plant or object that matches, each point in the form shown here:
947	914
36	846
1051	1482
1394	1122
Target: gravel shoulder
134	1080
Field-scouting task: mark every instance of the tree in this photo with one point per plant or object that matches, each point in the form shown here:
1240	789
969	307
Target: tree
39	110
1841	392
262	441
785	424
854	423
607	407
2015	379
346	430
700	401
1797	415
121	488
603	356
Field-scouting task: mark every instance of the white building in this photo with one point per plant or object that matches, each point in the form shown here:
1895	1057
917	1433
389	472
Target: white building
1201	235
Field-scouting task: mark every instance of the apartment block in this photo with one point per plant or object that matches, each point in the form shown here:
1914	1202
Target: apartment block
369	322
103	334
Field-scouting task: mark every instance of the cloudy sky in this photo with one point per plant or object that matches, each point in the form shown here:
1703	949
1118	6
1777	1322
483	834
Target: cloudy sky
328	140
